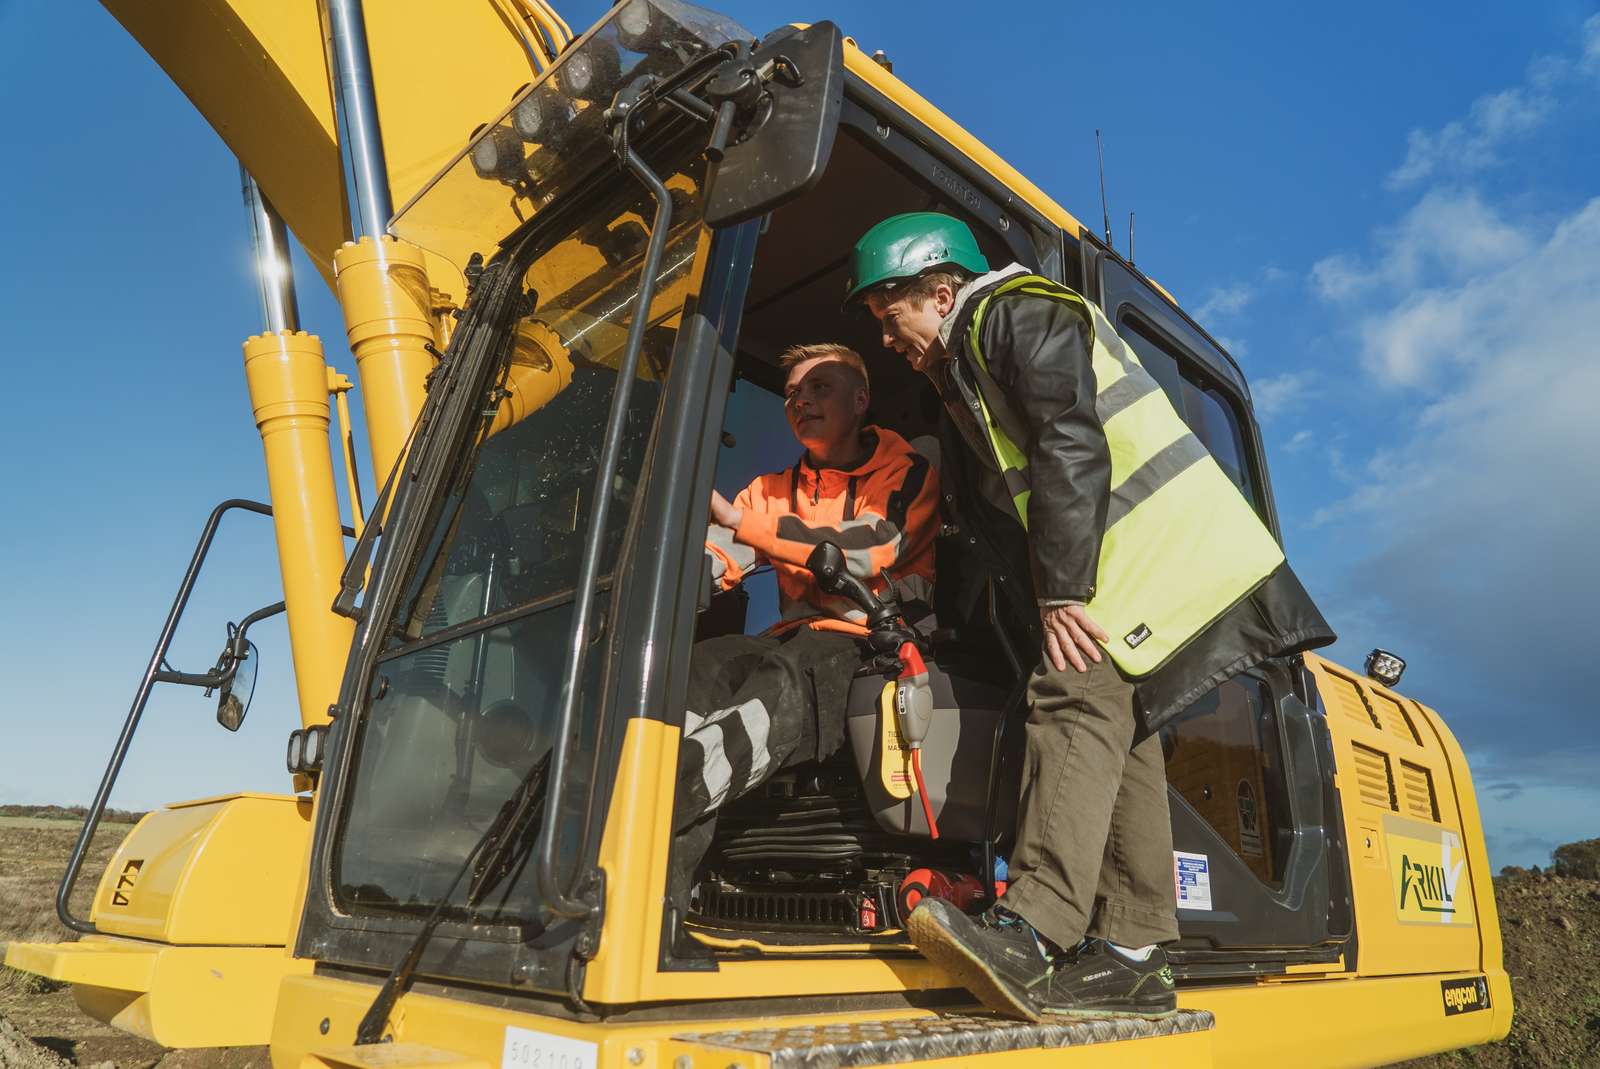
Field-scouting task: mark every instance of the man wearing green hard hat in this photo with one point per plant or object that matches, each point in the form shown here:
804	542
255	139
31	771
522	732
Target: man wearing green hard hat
1148	576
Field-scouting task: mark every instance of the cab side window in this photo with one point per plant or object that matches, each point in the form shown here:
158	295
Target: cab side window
1208	411
756	440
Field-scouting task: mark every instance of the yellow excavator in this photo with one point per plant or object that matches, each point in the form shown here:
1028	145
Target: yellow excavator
565	337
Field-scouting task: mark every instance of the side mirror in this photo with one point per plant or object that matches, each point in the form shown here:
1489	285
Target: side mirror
788	136
233	697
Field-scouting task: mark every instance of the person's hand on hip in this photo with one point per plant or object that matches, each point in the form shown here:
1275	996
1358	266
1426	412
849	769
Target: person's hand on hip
1070	636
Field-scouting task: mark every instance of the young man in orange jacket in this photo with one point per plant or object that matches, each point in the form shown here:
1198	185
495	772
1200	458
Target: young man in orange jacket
759	703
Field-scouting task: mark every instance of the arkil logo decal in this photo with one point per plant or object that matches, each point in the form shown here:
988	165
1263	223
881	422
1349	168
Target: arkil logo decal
130	873
1427	869
1427	886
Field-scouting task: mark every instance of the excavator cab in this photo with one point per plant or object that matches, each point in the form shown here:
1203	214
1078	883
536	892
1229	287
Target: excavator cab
499	775
641	232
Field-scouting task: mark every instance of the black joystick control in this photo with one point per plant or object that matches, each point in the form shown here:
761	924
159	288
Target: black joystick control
827	565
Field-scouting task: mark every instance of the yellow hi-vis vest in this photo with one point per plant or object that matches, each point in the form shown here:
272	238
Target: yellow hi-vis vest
1182	545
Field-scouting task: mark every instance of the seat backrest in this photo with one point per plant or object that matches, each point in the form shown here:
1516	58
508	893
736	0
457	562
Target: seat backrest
956	756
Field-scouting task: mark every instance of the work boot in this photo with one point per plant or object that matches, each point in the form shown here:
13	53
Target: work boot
994	955
1095	977
1000	959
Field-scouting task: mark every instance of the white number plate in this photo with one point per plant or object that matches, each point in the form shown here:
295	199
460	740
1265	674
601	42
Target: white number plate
527	1049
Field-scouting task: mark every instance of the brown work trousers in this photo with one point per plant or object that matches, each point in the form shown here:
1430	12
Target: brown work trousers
1093	854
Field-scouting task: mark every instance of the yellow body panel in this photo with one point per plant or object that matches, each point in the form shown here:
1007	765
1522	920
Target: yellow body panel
1318	1024
190	996
390	1056
1330	1023
257	71
195	910
475	1034
383	288
218	871
289	383
1400	794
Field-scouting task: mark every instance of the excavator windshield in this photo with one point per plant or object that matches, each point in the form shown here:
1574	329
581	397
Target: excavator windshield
466	691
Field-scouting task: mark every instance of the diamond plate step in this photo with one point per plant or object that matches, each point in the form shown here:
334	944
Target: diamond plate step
886	1042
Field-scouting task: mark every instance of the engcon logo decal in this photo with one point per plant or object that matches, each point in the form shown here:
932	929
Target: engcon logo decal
1427	869
125	881
1464	996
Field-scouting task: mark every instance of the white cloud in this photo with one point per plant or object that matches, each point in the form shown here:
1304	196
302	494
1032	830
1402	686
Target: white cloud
1488	313
1475	141
1227	301
1448	234
1300	440
1480	515
1275	395
1338	276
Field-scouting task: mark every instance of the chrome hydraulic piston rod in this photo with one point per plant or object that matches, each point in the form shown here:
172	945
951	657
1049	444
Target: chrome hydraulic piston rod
274	273
355	116
382	283
289	385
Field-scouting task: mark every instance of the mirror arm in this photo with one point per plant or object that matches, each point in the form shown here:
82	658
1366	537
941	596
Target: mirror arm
263	613
228	663
208	680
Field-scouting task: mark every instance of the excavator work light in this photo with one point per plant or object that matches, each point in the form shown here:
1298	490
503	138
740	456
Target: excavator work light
307	747
633	24
674	27
1385	667
498	156
591	72
541	112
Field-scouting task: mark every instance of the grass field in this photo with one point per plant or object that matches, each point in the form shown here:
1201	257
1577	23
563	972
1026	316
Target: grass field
58	823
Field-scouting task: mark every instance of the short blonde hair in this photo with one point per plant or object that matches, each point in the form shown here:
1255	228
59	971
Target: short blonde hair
920	289
799	354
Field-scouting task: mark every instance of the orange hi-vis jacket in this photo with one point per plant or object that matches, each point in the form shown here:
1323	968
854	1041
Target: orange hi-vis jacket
882	514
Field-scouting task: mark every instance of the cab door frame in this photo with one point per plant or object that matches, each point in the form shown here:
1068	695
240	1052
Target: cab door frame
1252	929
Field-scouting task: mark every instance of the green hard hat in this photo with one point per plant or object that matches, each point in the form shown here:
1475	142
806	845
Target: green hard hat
904	246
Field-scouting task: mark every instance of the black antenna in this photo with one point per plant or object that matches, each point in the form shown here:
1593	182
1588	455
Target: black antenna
1130	239
1105	208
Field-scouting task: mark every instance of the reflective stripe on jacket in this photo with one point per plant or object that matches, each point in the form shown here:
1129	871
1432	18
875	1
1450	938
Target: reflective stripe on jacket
883	514
1179	545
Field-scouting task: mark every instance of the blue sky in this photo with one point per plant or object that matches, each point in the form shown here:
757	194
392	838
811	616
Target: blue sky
1392	217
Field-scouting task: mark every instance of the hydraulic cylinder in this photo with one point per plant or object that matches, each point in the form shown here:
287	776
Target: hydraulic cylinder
288	380
383	287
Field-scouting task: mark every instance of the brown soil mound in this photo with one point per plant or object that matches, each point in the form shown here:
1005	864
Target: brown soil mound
1551	926
17	1051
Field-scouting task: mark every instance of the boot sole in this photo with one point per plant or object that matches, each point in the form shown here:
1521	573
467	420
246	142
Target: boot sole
941	946
1109	1011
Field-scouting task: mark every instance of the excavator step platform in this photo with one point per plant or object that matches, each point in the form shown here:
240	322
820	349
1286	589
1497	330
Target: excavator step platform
851	1044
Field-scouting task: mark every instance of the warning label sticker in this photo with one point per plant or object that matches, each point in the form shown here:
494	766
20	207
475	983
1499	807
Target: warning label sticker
1192	874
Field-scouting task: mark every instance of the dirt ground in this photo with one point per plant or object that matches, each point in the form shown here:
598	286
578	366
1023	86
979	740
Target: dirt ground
1551	925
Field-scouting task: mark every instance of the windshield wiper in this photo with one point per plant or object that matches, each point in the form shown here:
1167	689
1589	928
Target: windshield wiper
504	844
438	386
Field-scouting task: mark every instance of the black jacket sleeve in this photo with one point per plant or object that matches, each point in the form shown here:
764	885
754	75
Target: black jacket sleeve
1038	351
